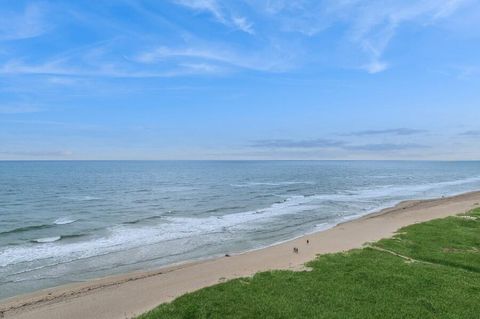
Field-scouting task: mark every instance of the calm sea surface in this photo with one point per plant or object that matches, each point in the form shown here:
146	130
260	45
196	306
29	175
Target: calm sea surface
69	221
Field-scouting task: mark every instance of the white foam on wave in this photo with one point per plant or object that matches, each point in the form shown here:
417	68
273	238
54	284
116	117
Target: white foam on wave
411	190
175	189
64	221
47	239
242	220
83	198
394	191
124	237
322	226
254	184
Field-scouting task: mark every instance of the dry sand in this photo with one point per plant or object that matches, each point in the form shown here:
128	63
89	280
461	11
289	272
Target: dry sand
127	295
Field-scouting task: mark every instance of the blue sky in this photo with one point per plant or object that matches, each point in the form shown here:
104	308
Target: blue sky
251	79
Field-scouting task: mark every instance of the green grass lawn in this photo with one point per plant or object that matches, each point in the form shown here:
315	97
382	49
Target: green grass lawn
428	270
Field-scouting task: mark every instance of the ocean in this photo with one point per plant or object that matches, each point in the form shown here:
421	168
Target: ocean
69	221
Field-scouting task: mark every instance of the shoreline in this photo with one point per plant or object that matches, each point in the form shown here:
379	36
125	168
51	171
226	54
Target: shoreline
130	294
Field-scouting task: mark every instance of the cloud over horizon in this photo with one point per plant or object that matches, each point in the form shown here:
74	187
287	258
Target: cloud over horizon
335	144
395	131
471	133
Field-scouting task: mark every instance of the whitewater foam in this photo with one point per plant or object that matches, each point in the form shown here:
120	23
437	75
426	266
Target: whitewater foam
255	184
83	198
64	221
122	237
47	239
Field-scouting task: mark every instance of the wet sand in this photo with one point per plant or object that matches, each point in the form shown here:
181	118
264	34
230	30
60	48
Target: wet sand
127	295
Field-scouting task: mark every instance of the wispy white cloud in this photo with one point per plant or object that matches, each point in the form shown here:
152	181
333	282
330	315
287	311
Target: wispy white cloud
52	69
202	67
221	13
100	60
449	7
163	53
369	25
62	80
29	23
375	66
243	24
204	5
67	69
373	24
270	60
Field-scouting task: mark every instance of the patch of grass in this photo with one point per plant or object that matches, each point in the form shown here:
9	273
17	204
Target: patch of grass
443	281
452	241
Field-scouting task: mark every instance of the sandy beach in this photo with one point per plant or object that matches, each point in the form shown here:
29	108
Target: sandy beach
127	295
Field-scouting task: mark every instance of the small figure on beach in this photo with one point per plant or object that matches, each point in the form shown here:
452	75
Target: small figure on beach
295	250
227	255
308	241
